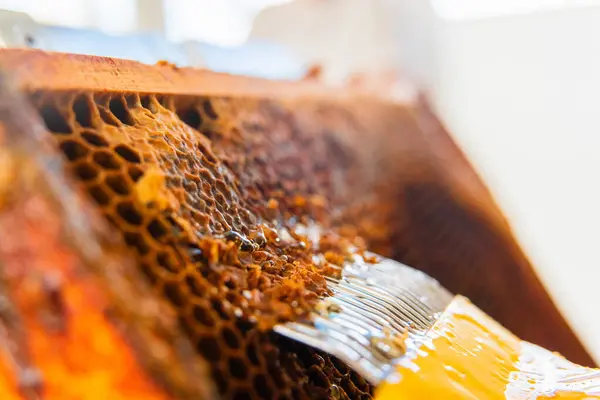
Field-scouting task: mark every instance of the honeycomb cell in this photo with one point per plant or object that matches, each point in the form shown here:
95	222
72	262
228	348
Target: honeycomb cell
94	139
231	338
237	368
86	171
106	159
169	264
82	108
99	194
203	315
136	240
128	154
132	100
73	150
54	120
191	117
157	229
117	183
129	213
210	348
220	307
107	117
146	102
197	286
163	100
175	292
120	111
252	354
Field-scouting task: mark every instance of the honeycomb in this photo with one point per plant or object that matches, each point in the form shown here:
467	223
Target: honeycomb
214	228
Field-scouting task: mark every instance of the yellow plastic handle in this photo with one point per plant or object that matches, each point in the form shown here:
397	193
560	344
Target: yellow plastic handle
471	356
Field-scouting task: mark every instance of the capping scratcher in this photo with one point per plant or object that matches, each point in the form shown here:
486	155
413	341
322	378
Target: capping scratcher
402	331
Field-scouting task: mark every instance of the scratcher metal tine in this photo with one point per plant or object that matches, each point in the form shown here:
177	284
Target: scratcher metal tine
372	305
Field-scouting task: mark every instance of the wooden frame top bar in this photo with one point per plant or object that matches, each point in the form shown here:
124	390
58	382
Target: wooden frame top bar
37	70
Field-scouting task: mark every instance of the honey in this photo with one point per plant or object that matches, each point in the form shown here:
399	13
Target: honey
469	356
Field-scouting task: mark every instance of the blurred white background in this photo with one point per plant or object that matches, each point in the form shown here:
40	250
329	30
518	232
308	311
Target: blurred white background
222	22
517	82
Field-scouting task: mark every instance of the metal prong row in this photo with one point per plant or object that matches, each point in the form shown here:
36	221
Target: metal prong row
378	314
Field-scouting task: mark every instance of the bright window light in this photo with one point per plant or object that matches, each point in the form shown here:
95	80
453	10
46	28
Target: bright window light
471	9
